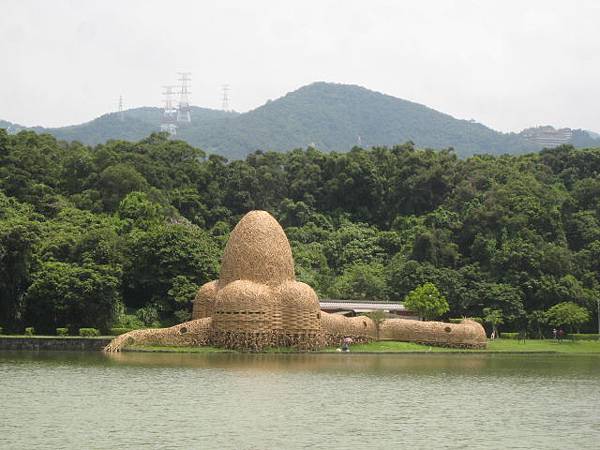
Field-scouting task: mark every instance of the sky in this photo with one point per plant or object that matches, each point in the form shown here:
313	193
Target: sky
506	64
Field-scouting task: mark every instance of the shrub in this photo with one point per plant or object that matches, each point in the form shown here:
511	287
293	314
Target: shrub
148	315
29	331
116	331
129	321
88	332
583	336
62	331
509	335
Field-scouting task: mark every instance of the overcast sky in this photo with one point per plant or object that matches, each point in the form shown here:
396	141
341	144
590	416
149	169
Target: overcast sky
507	64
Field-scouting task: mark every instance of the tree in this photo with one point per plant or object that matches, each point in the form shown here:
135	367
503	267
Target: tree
567	314
183	293
360	281
427	302
138	208
377	316
536	320
65	294
156	257
494	318
115	182
19	232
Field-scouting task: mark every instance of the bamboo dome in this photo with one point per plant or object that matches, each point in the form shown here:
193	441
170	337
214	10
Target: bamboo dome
205	300
257	250
300	314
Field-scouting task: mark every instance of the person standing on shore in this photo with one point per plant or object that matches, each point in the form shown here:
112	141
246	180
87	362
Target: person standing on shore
346	344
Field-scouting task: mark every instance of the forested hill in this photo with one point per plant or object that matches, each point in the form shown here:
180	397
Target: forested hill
324	115
137	123
87	234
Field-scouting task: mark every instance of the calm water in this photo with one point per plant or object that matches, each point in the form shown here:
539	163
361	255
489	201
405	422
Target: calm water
225	401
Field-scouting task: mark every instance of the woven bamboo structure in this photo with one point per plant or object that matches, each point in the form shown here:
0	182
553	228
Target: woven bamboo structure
204	302
257	303
336	327
467	334
257	250
192	333
300	315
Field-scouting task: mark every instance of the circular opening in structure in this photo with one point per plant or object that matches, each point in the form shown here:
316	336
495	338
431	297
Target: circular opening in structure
447	329
182	330
130	341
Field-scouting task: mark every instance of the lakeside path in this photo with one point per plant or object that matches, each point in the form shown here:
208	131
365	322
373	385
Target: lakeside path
497	346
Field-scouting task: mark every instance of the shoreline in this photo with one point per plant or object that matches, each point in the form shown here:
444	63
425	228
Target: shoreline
506	346
499	346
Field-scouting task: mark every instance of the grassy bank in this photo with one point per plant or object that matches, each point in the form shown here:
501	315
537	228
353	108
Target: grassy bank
497	346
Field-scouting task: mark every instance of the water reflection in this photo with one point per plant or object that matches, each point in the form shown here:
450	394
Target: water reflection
417	364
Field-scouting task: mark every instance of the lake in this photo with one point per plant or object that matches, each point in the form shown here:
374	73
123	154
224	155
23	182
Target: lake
348	401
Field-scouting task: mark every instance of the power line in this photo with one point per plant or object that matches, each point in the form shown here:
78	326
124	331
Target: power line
121	115
170	111
225	99
183	109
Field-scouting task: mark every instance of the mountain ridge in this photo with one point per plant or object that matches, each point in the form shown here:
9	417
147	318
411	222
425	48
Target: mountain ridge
330	116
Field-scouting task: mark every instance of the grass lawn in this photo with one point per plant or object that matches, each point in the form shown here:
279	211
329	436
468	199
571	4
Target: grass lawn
497	346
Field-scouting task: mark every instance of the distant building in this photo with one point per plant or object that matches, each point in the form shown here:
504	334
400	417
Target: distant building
548	136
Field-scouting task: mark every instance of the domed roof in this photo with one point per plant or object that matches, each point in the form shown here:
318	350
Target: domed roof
257	250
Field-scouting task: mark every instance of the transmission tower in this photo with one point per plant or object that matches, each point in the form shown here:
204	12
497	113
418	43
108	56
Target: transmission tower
225	105
121	116
170	112
183	108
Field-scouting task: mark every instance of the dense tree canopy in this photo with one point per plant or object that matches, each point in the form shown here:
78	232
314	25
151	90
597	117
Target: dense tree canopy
89	232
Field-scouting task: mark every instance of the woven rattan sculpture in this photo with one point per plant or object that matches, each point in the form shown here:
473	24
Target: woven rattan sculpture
257	303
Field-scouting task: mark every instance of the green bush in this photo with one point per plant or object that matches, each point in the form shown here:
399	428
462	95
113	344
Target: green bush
129	321
62	331
583	336
509	335
89	332
29	331
116	331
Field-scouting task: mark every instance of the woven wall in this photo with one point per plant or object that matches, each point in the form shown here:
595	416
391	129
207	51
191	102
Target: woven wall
467	334
336	327
192	333
204	302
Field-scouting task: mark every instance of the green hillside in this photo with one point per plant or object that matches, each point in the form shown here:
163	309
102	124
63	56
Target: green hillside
325	115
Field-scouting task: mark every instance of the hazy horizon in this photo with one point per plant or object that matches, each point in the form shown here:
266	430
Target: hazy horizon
507	65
